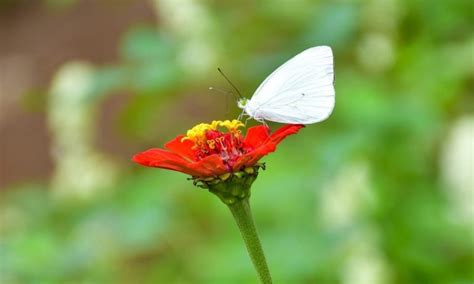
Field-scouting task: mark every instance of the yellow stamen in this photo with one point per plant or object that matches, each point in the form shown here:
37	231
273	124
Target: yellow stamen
211	143
197	134
233	125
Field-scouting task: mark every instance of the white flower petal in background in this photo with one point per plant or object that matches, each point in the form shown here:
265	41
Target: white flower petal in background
365	263
192	24
376	52
344	202
345	196
79	169
457	169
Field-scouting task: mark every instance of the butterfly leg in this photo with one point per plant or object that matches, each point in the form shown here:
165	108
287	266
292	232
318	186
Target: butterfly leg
261	120
241	115
246	121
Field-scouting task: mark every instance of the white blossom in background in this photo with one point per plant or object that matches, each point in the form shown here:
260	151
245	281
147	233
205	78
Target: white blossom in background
80	171
376	50
365	263
191	23
457	169
343	203
381	16
345	196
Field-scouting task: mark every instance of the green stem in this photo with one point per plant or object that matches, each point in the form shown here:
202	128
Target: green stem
243	217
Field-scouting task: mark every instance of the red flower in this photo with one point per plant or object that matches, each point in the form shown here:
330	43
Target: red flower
207	151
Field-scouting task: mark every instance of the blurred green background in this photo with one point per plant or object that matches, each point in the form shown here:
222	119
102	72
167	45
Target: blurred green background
381	192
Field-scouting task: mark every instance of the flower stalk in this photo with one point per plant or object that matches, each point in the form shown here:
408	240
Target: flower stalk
243	217
233	189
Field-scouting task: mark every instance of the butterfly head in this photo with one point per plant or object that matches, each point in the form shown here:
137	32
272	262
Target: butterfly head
242	102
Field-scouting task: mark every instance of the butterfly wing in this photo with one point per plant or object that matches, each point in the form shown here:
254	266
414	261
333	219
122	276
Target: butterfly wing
301	91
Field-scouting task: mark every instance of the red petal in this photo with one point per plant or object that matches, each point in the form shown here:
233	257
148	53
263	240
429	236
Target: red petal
210	166
284	131
182	148
252	157
256	136
159	158
264	148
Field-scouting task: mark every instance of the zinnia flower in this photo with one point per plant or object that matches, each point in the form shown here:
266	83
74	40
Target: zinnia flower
216	149
225	162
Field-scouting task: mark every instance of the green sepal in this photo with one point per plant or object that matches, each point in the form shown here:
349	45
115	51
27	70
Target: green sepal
230	187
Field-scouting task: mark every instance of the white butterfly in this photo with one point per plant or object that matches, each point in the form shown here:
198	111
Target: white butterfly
301	91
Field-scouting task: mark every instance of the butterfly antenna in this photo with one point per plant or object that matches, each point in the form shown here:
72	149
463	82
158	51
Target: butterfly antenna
223	92
233	86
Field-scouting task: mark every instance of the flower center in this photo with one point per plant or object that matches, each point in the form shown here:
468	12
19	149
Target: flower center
219	137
